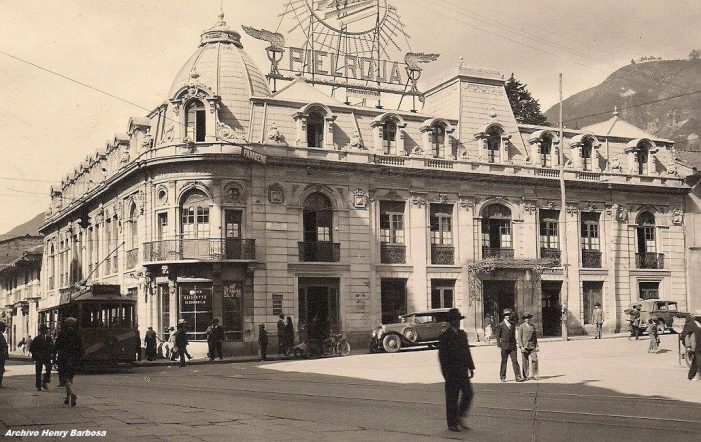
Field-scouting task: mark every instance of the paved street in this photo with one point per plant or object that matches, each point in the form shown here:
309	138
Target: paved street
590	390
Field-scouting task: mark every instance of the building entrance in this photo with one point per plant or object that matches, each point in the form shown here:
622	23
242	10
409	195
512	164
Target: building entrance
550	302
318	299
497	296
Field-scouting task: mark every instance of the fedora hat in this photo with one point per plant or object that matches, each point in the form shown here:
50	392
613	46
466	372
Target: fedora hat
527	315
507	311
454	314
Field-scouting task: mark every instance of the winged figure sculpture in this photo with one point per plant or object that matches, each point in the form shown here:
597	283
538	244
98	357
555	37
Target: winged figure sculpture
412	59
276	40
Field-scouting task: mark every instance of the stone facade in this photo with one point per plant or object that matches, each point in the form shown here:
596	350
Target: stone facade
232	202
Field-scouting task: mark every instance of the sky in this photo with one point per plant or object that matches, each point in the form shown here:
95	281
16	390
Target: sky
133	50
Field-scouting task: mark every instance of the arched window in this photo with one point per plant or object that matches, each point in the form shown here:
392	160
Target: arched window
133	229
52	265
494	145
389	136
317	220
496	232
196	121
195	215
546	148
642	157
587	154
438	141
315	130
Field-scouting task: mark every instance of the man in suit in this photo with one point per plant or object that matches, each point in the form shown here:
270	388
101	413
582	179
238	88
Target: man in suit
42	349
528	346
506	341
691	337
598	318
457	368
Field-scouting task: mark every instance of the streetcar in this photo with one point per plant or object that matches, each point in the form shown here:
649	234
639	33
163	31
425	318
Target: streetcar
106	322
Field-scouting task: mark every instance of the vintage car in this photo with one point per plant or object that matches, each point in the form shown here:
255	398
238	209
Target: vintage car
662	311
418	328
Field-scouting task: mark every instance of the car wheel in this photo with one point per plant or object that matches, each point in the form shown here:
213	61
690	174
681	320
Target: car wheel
344	348
410	334
392	343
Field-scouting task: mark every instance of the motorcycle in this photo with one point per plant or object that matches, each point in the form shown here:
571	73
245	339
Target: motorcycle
335	345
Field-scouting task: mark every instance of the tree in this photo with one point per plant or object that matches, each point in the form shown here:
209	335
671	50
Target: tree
526	108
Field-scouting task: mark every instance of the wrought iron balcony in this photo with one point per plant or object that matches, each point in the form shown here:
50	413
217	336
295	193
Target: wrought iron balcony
442	255
319	251
552	255
202	249
649	260
132	258
488	252
392	253
591	259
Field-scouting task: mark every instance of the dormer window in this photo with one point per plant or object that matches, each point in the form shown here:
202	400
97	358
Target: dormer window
389	136
438	141
195	121
642	159
546	148
315	130
494	145
587	154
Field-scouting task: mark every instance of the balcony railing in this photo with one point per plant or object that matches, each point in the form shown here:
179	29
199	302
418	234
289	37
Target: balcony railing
591	259
649	260
203	249
442	255
552	255
392	253
132	258
319	251
488	252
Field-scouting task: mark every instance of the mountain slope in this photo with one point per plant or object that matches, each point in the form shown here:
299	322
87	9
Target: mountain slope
28	228
678	119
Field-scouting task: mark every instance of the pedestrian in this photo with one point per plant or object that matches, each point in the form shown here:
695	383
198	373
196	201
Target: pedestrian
488	327
691	337
281	334
506	341
215	336
263	342
28	343
150	342
635	322
457	368
527	342
22	346
41	349
289	336
598	318
171	344
181	341
4	350
652	332
67	353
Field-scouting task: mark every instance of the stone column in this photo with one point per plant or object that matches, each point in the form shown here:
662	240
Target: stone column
419	255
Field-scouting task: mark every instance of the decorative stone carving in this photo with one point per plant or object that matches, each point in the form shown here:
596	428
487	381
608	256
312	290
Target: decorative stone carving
591	208
462	152
274	134
360	199
549	205
418	199
169	134
226	132
529	207
276	194
233	193
467	203
442	198
162	195
356	142
616	165
572	210
677	217
147	142
619	213
392	195
190	145
672	168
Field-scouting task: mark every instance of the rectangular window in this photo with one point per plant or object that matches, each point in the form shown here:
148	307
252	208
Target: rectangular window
442	292
392	222
203	222
505	233
441	224
389	136
232	317
590	231
649	289
393	299
196	308
164	308
162	226
188	222
232	224
549	238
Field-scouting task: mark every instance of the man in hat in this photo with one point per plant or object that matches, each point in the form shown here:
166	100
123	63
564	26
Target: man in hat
181	342
281	335
263	342
506	341
67	353
215	336
4	350
150	340
42	349
527	342
457	368
598	318
691	337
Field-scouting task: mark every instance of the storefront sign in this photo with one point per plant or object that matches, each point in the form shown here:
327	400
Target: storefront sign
253	155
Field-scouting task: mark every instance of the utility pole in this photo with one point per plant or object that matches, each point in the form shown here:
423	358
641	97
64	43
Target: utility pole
563	228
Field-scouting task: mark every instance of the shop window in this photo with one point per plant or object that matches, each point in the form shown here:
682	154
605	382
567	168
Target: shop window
196	308
649	289
232	313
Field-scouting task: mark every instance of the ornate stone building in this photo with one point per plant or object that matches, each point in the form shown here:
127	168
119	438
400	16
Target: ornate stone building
231	202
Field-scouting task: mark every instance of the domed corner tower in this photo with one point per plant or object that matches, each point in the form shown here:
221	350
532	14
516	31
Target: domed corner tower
211	94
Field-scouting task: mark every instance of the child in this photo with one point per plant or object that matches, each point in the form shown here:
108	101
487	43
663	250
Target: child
263	342
652	332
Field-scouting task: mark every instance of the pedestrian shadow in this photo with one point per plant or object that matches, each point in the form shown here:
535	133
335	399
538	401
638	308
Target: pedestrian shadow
542	378
664	350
